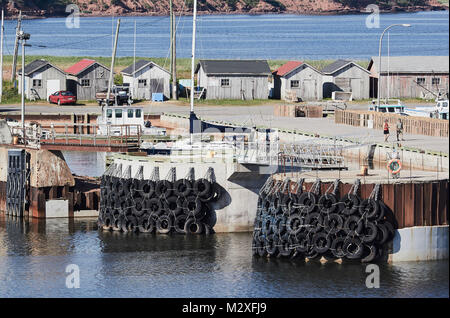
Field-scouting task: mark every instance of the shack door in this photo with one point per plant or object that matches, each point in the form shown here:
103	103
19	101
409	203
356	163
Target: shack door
15	184
156	86
52	87
309	90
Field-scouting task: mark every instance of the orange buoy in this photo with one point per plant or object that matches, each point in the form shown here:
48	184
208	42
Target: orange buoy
394	166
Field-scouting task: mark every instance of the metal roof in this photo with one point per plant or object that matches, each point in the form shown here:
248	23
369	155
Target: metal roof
37	65
287	68
138	66
80	66
234	67
411	64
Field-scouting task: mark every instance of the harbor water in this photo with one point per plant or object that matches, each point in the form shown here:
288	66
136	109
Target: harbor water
240	36
34	256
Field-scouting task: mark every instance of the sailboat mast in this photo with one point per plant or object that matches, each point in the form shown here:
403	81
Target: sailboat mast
194	26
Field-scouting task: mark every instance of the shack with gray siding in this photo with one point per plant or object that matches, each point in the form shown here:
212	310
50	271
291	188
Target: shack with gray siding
233	79
346	76
410	76
146	78
86	78
42	79
297	81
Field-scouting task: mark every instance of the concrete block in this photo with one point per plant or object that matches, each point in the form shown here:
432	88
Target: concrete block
420	243
57	209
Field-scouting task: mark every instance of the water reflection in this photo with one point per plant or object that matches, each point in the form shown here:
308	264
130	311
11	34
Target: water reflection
34	255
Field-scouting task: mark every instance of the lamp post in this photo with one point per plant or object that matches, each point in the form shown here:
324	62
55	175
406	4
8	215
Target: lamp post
23	37
379	56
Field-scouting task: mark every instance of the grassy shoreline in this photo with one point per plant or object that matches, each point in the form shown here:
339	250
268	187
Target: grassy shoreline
183	64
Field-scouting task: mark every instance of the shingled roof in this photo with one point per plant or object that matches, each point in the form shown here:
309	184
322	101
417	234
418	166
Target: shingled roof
80	66
36	65
138	66
234	67
337	65
287	68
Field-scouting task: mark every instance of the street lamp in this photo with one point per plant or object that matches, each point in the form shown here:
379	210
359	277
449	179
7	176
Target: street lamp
379	56
23	37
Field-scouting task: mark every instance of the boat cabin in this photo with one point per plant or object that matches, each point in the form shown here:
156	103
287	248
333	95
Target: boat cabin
389	107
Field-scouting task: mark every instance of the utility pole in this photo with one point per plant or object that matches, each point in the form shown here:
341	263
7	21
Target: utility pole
16	49
171	35
134	60
111	72
174	58
1	56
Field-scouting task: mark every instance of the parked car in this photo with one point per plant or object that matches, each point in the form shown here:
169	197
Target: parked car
62	97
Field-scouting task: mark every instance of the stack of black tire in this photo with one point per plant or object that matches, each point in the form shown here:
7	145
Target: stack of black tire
132	205
310	225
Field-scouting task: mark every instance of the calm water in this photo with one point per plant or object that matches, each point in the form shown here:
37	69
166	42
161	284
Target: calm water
242	36
33	258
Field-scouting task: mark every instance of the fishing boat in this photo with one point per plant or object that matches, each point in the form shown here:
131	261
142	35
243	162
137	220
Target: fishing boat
392	106
439	110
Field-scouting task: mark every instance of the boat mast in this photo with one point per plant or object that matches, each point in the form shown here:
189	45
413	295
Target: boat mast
194	25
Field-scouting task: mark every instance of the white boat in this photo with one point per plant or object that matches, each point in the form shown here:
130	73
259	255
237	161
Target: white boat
393	106
439	110
125	119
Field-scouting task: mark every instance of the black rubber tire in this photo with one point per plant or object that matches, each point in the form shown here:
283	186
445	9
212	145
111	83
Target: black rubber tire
369	232
164	224
349	227
260	247
193	226
279	225
285	203
163	188
217	192
267	226
303	241
284	246
354	248
208	229
275	206
371	255
202	188
127	187
390	228
131	224
327	203
294	224
369	209
155	206
337	247
311	253
350	204
182	188
146	224
271	245
107	221
383	234
147	188
171	205
308	201
138	207
192	206
179	223
321	242
314	222
333	223
381	212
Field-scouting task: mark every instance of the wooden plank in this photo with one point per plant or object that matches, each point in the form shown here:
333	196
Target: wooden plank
408	204
434	204
399	211
427	188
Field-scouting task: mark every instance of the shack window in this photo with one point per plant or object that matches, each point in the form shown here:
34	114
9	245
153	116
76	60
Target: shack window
225	82
37	83
295	84
109	113
138	113
436	81
130	113
142	83
118	113
421	80
85	82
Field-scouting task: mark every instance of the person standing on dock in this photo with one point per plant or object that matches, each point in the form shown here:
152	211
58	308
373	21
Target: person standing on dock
386	130
399	129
